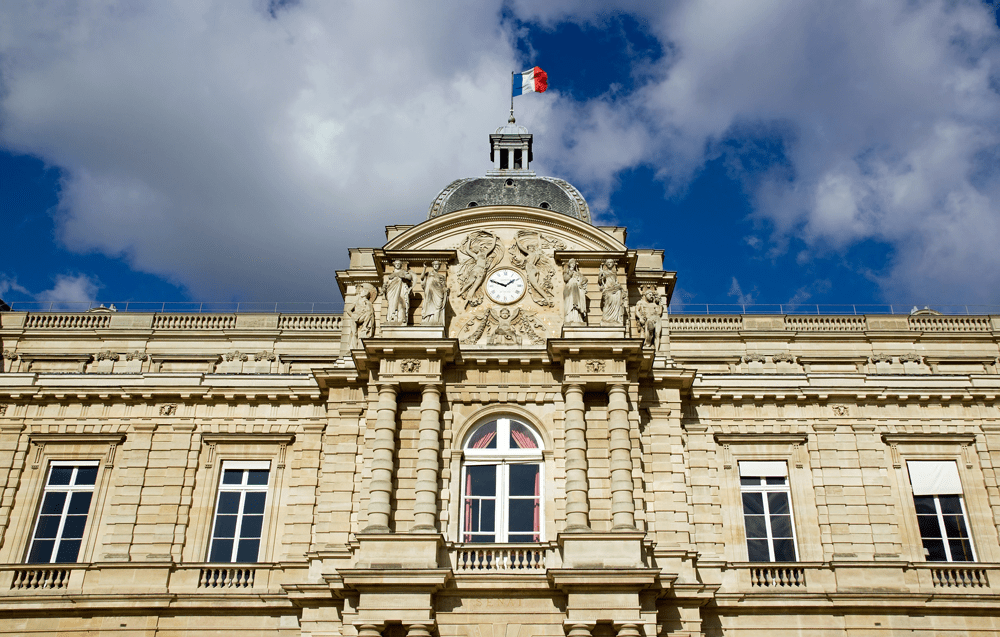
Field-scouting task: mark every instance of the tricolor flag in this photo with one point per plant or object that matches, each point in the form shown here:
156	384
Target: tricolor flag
533	81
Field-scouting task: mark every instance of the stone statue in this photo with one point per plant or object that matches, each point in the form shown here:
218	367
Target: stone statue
612	294
481	247
361	316
396	289
435	286
574	293
649	318
503	327
528	252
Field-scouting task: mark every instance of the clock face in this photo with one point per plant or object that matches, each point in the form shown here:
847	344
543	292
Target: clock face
505	286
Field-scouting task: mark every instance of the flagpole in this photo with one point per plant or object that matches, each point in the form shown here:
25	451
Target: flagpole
511	88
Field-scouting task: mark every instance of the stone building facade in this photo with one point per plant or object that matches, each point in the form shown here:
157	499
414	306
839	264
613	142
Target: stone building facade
505	434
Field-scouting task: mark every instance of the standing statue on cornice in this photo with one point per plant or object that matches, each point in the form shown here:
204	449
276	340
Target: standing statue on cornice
362	315
527	252
649	318
396	288
612	294
574	294
435	286
481	248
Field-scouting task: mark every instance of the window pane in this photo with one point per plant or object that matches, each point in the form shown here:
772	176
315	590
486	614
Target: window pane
954	526
521	437
481	538
757	551
79	503
753	503
935	550
60	475
48	526
488	516
525	537
225	526
929	526
481	480
961	550
229	502
53	503
86	475
232	476
257	476
776	480
781	526
784	551
950	504
925	504
524	479
251	526
253	502
247	551
41	552
522	515
68	550
222	551
73	527
750	482
777	503
484	438
755	526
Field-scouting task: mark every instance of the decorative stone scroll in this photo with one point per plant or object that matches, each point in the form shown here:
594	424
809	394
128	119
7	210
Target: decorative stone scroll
235	355
136	356
754	357
528	252
484	250
107	355
503	327
265	356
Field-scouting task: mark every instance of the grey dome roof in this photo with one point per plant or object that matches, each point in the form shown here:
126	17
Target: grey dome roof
510	190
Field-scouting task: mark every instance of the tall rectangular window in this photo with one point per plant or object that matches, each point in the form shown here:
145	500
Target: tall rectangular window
941	515
767	512
239	512
62	516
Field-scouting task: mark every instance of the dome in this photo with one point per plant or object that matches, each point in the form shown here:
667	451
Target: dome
547	193
510	128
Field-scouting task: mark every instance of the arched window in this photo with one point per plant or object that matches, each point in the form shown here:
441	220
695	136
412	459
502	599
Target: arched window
502	483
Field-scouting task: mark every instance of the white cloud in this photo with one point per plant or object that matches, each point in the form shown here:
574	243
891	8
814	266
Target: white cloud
8	283
70	292
736	291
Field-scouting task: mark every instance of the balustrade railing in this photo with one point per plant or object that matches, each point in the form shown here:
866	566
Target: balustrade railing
226	577
40	578
309	322
777	577
500	558
67	321
194	321
959	578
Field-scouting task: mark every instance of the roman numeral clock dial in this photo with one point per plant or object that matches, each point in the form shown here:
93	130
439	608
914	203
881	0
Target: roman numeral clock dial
505	286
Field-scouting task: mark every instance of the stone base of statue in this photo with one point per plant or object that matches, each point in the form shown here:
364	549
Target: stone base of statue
413	331
593	331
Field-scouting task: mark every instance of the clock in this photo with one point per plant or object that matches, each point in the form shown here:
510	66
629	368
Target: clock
505	286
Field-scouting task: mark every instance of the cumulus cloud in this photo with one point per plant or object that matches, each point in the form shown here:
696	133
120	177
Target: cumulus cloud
70	292
239	151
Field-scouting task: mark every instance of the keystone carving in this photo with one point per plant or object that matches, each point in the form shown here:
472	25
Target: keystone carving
484	250
840	410
168	410
881	358
265	356
503	327
107	355
595	366
409	366
235	355
136	356
528	252
754	357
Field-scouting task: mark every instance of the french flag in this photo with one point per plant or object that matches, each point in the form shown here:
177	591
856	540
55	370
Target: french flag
533	81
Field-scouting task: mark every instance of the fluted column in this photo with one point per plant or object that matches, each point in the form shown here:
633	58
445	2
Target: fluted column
577	505
384	448
622	500
428	461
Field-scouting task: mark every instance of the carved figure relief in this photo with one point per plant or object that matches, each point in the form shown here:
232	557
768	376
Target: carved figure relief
409	366
503	326
612	294
595	366
435	293
362	315
3	409
484	250
649	317
574	294
840	410
528	252
396	288
168	410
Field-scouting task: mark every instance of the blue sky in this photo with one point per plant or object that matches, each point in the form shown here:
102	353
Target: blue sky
779	152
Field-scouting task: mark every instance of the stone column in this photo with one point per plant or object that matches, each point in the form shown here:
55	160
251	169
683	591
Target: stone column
577	505
369	630
384	446
428	464
622	501
628	630
579	629
418	630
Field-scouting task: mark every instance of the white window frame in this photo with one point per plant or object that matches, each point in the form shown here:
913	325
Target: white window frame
952	487
771	469
69	489
243	489
503	457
